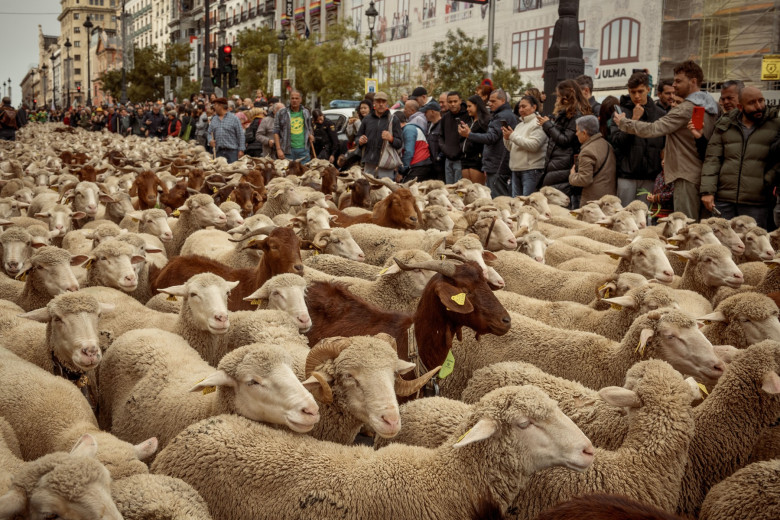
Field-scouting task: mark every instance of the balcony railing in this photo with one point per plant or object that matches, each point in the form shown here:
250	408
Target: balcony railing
244	17
270	6
252	12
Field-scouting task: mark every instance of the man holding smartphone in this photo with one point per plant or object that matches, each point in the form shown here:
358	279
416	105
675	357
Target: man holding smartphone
450	142
682	161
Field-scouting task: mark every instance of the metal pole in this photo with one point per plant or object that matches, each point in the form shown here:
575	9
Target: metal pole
491	32
44	84
371	54
123	95
89	71
206	85
281	93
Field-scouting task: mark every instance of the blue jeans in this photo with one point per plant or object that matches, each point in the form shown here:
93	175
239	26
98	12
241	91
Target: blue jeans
729	210
527	179
230	155
299	153
452	171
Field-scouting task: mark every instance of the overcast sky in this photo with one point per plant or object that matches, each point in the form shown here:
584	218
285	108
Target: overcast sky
19	37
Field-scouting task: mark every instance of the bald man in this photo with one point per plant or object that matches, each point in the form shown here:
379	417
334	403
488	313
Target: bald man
736	177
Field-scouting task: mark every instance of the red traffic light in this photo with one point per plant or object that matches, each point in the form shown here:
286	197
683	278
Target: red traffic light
227	49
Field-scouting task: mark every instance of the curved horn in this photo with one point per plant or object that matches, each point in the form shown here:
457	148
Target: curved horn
318	238
404	387
455	256
445	268
323	351
327	392
436	246
382	182
265	230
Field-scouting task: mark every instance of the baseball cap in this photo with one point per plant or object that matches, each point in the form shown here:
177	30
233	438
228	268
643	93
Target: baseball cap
431	105
380	95
419	91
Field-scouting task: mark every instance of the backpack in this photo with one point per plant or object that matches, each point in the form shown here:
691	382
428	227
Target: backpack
8	119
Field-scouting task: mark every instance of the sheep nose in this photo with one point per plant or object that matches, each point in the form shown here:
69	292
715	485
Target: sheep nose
392	421
668	272
73	288
58	226
221	318
739	276
719	367
130	278
298	267
89	351
13	265
507	320
311	410
589	450
539	258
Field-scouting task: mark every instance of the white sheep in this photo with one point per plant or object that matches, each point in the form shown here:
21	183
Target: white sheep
590	359
727	236
741	224
198	212
152	391
707	268
645	256
146	497
336	241
380	243
112	264
53	415
742	320
61	485
751	492
494	443
758	247
282	195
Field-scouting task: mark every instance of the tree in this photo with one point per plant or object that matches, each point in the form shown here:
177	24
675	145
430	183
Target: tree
111	83
458	63
251	50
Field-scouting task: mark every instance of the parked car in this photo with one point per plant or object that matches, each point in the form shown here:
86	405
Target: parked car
343	103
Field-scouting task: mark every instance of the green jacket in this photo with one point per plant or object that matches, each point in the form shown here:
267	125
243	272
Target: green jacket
736	170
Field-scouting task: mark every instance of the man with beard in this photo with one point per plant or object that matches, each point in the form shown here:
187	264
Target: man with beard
735	177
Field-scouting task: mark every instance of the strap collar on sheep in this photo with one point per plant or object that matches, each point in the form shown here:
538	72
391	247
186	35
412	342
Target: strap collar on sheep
80	379
490	232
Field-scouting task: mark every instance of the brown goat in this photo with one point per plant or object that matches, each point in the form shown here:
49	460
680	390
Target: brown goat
329	177
68	157
337	312
89	173
359	195
281	254
174	199
398	210
145	188
196	177
296	168
247	197
605	507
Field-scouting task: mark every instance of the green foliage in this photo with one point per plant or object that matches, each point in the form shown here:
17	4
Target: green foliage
458	63
251	55
145	80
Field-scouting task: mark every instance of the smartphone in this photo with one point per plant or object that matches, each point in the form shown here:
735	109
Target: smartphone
698	118
537	114
505	124
618	110
457	121
715	211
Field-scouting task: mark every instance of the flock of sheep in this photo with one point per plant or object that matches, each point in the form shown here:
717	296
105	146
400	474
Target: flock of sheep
185	339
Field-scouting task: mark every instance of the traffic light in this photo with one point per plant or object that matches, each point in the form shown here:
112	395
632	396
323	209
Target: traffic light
233	77
35	103
215	76
79	89
226	58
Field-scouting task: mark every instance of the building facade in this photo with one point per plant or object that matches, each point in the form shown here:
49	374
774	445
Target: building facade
103	14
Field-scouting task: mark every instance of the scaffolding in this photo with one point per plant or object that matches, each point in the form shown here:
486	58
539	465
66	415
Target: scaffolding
728	38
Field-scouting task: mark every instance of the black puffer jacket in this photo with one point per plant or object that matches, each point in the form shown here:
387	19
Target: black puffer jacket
562	144
637	158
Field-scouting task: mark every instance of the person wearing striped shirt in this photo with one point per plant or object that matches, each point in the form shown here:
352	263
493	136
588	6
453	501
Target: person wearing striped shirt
226	135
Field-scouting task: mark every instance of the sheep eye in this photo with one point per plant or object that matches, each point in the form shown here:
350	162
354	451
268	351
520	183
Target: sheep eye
252	382
275	293
193	295
523	425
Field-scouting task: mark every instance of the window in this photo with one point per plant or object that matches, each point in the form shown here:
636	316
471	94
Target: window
529	48
429	9
527	5
76	16
77	43
76	71
620	41
397	69
77	57
77	30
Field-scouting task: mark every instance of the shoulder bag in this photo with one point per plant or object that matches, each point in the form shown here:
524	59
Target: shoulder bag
389	158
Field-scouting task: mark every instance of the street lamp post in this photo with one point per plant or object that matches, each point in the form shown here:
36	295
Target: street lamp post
53	82
207	86
282	40
123	95
371	14
88	26
45	69
68	45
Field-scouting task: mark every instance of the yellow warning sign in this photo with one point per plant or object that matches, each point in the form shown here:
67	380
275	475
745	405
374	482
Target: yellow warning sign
770	67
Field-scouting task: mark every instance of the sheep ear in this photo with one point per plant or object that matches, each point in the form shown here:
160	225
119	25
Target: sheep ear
78	215
617	254
78	259
41	315
145	449
770	383
670	247
685	255
484	429
393	269
43	214
184	207
623	301
453	298
403	367
137	259
13	503
713	316
487	256
619	396
218	378
175	290
86	446
150	250
260	294
106	198
644	337
135	215
690	220
698	390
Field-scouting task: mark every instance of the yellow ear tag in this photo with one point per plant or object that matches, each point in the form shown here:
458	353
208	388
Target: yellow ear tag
672	242
574	214
640	348
383	271
316	252
136	220
707	322
254	302
171	298
459	298
461	195
176	213
606	292
207	389
614	256
703	389
771	265
447	366
463	436
23	277
88	264
214	190
54	188
615	307
348	190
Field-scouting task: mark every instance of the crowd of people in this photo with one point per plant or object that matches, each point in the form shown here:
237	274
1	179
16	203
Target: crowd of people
680	152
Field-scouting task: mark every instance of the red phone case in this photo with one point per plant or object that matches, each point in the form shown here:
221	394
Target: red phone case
698	118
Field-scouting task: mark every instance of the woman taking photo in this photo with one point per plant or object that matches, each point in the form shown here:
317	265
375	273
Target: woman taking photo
364	108
562	144
527	145
471	162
